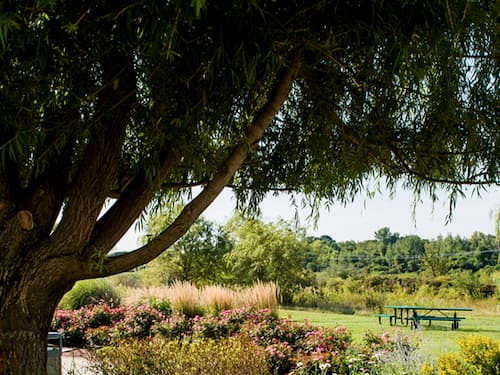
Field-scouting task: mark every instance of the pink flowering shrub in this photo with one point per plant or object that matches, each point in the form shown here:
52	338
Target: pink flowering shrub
101	324
75	324
288	347
137	322
175	327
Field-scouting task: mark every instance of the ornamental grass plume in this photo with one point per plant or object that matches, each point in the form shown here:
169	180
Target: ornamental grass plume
216	298
137	296
185	298
261	296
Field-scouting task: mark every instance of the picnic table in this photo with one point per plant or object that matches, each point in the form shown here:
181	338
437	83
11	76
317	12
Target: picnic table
416	314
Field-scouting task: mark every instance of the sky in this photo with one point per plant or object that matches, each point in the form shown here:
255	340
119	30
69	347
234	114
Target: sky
360	219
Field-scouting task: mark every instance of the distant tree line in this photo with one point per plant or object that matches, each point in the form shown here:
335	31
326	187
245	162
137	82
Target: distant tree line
391	253
245	250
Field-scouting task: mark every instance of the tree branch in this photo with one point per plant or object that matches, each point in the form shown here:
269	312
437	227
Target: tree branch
225	172
120	217
99	167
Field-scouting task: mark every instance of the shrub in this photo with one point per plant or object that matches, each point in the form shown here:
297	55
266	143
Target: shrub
393	352
90	292
478	355
127	279
307	297
451	364
137	322
234	356
481	352
88	325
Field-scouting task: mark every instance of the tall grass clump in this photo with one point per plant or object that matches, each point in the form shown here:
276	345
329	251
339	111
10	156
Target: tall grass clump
261	296
216	298
185	298
138	296
90	292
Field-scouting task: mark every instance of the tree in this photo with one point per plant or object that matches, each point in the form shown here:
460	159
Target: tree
269	252
386	238
404	254
197	257
435	259
125	105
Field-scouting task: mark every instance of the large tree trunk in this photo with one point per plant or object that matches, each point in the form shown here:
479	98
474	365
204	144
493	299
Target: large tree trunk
26	311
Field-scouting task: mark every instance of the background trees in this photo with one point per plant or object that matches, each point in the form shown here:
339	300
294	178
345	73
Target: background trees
197	257
269	252
247	250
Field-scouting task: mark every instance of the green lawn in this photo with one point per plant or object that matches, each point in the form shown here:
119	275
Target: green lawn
437	339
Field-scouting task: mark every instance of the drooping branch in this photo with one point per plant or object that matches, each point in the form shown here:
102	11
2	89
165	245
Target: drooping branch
225	172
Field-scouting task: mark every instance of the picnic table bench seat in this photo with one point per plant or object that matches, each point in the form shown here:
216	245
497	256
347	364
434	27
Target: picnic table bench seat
430	318
380	316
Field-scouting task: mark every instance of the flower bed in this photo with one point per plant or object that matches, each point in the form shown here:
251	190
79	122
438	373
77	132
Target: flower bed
287	347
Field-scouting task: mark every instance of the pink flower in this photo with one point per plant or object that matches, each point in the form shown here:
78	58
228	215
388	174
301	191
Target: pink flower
340	329
385	336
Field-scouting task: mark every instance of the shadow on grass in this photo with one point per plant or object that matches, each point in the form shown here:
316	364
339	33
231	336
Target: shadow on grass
460	329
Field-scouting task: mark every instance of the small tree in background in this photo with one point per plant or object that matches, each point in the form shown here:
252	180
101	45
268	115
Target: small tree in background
269	252
198	257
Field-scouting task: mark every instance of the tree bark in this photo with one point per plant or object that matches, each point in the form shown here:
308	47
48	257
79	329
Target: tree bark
26	311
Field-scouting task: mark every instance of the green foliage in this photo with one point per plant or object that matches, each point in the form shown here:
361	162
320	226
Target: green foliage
157	356
89	292
140	101
8	23
393	254
198	257
268	252
481	352
478	355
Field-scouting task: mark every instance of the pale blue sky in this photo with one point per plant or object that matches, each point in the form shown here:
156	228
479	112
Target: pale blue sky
359	220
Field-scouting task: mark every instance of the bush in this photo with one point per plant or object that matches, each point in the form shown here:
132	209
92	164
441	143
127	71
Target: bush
478	355
234	356
128	279
90	292
141	335
307	297
481	352
86	326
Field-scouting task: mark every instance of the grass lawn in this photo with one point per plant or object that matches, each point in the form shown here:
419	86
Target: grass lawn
436	339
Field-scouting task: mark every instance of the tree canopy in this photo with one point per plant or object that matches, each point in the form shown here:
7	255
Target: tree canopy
125	105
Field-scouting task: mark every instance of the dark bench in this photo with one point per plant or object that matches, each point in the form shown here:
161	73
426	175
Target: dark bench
430	318
380	316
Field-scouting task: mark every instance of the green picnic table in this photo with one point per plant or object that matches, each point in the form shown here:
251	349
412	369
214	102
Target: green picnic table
416	314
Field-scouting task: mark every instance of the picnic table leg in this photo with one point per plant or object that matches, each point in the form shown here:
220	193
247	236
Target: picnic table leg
414	322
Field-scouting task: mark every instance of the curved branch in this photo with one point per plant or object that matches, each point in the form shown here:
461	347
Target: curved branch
225	172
